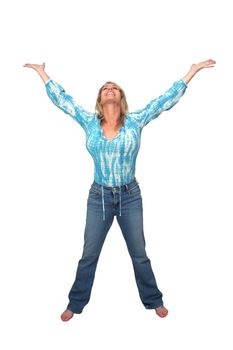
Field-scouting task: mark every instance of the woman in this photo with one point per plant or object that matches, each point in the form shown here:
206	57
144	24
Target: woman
113	140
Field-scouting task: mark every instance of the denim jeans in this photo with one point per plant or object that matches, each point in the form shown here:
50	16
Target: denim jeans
131	224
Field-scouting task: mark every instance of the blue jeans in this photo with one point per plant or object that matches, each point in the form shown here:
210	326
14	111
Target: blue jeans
131	224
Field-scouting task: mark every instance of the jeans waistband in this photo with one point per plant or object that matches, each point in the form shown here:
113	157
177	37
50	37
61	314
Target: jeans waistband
121	188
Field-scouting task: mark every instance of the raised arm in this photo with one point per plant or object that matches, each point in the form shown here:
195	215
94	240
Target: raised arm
61	99
160	104
196	68
170	97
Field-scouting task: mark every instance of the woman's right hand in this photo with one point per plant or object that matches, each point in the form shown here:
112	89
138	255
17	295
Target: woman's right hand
36	67
40	69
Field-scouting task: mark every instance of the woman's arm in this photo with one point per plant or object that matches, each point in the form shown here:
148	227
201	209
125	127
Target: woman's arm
61	99
196	68
160	104
170	97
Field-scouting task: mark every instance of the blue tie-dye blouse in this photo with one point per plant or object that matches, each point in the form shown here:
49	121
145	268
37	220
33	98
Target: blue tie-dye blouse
114	159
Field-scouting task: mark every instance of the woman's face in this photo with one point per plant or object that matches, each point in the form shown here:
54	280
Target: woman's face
110	93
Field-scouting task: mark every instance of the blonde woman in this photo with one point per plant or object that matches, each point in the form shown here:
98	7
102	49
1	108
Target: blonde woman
113	140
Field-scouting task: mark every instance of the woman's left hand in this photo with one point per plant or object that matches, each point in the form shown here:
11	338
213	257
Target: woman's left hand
196	67
205	64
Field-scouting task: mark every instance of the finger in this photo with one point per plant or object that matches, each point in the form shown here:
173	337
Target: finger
211	61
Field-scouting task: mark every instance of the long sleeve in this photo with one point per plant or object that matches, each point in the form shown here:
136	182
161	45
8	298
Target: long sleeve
160	104
67	104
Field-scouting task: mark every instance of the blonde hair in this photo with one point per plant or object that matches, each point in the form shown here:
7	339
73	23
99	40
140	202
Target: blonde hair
123	103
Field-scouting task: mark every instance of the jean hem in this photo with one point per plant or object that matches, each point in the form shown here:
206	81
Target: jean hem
75	311
155	306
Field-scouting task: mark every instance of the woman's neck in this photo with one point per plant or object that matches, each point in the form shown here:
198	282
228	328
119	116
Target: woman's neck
112	114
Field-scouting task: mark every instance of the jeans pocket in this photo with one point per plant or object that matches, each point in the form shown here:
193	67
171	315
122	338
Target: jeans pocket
135	191
94	192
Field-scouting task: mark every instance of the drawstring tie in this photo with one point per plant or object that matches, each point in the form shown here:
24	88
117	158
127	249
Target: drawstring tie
102	190
103	202
120	200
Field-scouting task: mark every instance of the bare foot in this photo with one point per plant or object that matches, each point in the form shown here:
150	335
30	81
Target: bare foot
67	315
161	311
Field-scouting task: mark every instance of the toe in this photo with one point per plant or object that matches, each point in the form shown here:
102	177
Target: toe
66	315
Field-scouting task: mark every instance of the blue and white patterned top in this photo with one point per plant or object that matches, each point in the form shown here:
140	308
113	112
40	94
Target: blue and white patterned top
114	159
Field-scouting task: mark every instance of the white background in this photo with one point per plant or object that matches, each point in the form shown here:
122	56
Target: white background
184	169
